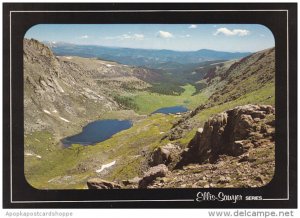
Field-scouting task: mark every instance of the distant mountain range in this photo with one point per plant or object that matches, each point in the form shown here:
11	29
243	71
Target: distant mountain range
150	58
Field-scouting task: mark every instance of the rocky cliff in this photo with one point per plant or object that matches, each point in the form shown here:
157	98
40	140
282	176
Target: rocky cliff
58	94
64	93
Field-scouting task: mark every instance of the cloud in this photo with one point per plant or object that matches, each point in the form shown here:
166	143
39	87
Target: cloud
193	26
138	36
125	36
165	35
234	32
135	36
84	37
185	36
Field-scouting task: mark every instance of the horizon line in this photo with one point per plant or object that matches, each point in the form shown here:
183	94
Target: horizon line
155	49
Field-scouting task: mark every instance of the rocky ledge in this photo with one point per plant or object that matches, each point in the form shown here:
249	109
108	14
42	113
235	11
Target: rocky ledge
231	132
235	148
98	183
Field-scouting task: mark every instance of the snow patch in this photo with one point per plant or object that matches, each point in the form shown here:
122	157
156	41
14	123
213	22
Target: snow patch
47	112
104	166
58	86
91	94
28	154
218	63
68	57
31	154
54	111
51	180
64	119
109	65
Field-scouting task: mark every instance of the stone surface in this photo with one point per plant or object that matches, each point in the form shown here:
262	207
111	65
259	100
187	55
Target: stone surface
167	154
131	182
97	183
153	173
160	156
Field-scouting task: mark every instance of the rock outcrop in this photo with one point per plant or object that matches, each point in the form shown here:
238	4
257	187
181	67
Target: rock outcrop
231	132
235	148
153	173
167	154
131	183
97	183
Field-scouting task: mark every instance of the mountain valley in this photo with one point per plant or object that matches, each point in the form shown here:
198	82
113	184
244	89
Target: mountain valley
230	97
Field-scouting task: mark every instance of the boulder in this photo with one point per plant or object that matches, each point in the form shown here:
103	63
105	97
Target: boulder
164	154
133	181
224	179
154	172
238	148
160	156
97	183
242	126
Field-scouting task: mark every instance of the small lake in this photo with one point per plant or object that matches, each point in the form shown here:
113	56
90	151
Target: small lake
97	131
171	110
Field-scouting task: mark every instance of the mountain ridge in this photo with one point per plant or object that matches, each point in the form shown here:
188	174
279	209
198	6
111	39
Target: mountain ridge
53	44
143	57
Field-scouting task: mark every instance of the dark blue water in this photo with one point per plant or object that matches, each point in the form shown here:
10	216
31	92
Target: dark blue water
97	131
171	110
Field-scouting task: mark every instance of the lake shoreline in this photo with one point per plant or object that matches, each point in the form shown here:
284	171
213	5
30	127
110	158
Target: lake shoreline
109	128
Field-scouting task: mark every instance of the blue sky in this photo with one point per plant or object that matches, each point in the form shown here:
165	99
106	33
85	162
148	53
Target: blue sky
182	37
